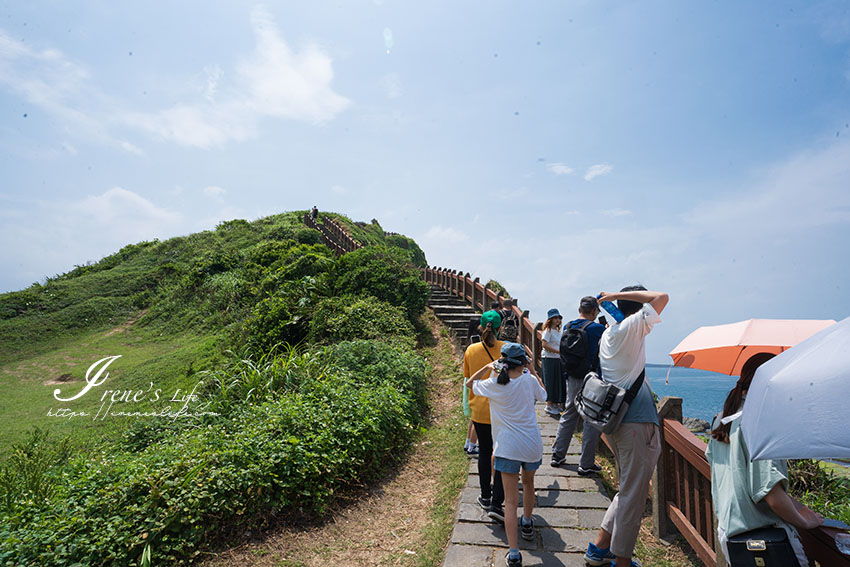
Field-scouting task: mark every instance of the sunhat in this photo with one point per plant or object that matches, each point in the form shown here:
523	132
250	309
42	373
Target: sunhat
515	353
553	313
491	317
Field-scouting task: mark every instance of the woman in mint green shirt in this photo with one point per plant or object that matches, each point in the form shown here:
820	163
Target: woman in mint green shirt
750	495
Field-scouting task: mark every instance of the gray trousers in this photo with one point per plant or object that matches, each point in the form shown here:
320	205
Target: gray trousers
636	448
567	425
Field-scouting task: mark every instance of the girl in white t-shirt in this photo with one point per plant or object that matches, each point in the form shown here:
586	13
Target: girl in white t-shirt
556	386
512	389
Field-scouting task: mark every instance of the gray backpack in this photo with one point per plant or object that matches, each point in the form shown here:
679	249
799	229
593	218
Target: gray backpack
603	405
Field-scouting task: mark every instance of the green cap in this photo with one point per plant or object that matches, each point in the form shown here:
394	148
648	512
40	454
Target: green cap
491	317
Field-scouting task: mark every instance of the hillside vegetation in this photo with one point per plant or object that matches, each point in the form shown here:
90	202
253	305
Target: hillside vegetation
296	370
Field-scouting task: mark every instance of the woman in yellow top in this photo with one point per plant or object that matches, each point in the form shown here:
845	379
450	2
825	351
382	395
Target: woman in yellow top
476	357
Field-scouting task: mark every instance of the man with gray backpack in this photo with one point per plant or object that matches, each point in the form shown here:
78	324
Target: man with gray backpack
579	355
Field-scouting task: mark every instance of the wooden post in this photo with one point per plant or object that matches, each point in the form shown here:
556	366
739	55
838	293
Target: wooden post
463	286
668	408
523	337
537	344
474	292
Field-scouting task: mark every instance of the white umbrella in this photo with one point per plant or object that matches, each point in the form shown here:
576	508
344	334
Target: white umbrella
798	403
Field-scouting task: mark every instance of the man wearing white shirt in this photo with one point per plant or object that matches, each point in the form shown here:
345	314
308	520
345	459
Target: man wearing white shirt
636	444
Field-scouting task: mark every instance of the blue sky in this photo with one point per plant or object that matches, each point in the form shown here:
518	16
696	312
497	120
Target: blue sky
561	148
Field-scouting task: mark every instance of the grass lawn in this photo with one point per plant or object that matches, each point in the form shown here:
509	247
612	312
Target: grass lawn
27	383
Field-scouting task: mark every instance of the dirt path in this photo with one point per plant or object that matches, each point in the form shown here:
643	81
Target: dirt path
391	522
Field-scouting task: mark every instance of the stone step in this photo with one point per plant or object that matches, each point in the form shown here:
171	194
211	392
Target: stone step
456	315
448	302
449	306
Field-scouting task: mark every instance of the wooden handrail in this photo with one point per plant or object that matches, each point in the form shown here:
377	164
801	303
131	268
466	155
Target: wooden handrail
688	445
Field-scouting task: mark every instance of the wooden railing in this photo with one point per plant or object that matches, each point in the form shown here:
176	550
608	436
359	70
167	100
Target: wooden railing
480	297
681	496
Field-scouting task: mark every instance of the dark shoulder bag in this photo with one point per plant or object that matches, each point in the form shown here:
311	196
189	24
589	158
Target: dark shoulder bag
604	405
763	546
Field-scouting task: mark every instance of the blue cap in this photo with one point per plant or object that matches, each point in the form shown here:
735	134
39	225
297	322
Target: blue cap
553	313
513	352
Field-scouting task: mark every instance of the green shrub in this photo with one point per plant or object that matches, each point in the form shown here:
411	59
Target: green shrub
383	273
375	362
178	494
414	253
820	488
268	252
308	236
308	264
498	288
273	321
27	474
348	318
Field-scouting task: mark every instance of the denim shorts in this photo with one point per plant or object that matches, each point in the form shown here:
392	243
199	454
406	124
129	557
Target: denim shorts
511	466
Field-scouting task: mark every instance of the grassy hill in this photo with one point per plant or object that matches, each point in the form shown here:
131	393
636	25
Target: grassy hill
257	375
170	309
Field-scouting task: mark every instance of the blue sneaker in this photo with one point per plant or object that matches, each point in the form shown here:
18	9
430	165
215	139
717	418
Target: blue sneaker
596	556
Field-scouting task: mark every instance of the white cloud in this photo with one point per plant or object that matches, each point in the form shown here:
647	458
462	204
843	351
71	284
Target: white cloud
596	170
213	74
287	84
559	168
446	234
214	191
118	205
807	190
273	82
391	84
47	79
339	189
616	212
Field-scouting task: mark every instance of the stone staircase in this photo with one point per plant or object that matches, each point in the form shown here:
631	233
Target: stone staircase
454	313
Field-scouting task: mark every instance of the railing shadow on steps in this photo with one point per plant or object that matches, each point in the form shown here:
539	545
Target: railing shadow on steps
681	483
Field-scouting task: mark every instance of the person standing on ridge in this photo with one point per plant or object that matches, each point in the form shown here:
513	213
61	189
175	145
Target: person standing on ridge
636	443
579	354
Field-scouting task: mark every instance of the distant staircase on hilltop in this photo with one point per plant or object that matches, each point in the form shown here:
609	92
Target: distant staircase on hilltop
333	235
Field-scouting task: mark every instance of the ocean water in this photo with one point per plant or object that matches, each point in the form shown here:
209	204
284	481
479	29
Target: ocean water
702	392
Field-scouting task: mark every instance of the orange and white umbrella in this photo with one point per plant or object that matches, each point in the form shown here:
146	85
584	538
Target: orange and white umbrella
725	348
